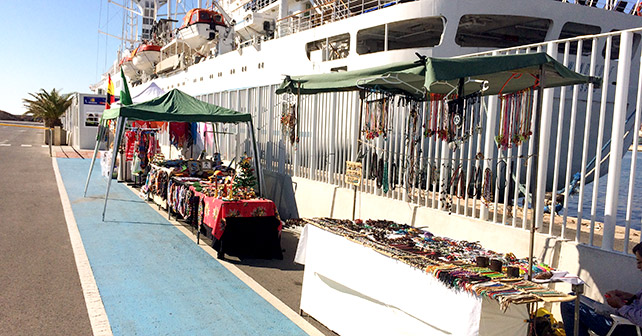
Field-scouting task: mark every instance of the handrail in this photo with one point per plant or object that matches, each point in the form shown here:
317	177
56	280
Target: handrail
560	41
307	10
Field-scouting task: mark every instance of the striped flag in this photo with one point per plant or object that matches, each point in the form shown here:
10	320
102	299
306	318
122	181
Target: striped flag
110	93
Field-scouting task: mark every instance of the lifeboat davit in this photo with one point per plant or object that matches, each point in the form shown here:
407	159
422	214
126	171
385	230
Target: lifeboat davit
145	57
128	68
199	27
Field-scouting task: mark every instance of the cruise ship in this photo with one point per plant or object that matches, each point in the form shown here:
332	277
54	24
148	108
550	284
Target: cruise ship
230	45
236	53
251	43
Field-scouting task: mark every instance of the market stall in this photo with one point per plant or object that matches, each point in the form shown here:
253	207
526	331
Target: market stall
449	86
219	191
384	278
222	206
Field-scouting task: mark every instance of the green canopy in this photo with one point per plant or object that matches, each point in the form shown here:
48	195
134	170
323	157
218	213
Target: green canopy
411	72
176	106
505	74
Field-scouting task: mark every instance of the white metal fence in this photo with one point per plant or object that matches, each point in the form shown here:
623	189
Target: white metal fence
580	127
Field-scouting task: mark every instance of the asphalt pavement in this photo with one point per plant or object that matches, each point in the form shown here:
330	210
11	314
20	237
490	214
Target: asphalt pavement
40	292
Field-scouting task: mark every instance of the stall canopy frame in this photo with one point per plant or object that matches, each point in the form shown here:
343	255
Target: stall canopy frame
173	106
489	75
498	74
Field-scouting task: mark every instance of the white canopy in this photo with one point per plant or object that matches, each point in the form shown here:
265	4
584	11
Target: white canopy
150	92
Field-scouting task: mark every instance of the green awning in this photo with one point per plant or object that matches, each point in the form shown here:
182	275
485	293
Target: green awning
177	106
398	78
442	75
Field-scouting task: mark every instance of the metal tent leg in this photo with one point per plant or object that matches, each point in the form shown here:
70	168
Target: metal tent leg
118	135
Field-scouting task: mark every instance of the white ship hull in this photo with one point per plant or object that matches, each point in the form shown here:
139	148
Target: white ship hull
259	63
286	55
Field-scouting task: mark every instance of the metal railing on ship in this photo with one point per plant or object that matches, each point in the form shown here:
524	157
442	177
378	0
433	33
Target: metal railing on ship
601	213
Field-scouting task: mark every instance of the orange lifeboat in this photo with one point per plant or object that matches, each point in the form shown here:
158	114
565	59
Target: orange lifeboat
145	57
200	26
128	68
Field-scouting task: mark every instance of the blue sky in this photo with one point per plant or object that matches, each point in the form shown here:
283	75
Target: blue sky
55	44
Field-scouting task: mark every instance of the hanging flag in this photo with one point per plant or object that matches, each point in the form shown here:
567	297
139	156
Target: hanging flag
110	93
125	98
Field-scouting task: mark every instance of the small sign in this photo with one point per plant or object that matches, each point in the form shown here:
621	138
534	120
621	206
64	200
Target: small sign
353	173
93	100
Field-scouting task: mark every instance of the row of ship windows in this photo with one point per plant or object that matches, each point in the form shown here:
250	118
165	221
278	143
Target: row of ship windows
261	65
474	30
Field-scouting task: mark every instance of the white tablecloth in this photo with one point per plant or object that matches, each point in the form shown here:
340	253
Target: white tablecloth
355	290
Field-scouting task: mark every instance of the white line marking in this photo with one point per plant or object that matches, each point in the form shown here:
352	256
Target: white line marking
255	286
23	145
5	145
95	308
43	146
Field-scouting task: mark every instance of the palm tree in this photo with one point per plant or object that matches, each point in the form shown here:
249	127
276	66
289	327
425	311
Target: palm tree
47	106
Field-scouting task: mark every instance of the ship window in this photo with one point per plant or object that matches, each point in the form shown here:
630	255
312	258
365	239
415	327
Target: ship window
328	49
371	40
500	31
573	29
415	33
615	46
406	34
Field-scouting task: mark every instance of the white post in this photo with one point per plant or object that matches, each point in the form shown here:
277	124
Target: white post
332	150
269	141
101	131
313	138
489	143
118	136
489	140
544	144
617	143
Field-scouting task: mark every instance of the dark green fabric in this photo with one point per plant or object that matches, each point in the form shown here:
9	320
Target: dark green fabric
497	71
125	97
441	75
381	77
176	106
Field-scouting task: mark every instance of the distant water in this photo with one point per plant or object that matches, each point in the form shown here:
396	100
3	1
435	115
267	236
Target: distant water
636	213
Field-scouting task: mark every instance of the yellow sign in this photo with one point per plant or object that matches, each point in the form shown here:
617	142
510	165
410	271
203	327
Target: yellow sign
353	173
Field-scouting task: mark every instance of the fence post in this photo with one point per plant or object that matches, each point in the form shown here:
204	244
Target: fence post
544	145
489	140
617	141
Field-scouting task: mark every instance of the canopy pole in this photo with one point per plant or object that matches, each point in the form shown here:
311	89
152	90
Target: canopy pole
118	136
257	164
534	205
99	135
362	96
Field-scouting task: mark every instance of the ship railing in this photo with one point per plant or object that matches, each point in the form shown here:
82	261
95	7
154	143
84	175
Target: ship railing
256	5
581	125
327	12
604	206
630	7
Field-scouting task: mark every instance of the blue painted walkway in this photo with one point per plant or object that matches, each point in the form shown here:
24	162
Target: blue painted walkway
152	279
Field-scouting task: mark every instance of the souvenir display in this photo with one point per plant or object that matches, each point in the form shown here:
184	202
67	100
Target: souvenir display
244	181
515	119
140	147
289	123
460	265
455	120
376	118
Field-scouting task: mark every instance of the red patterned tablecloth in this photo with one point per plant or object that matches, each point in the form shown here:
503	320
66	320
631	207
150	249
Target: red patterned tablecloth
216	209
